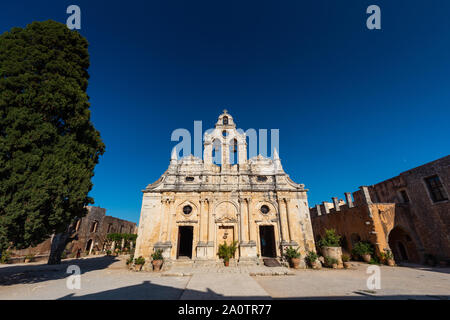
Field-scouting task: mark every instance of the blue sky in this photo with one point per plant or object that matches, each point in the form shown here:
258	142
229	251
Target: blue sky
353	106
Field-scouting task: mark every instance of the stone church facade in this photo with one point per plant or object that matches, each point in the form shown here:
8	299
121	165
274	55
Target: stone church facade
198	204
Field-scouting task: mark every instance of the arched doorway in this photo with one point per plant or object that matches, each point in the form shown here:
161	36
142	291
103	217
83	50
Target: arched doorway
402	246
88	245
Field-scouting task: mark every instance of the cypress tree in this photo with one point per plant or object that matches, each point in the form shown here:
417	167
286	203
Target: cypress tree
48	144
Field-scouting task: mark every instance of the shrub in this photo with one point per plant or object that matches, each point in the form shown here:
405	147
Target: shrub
311	257
374	260
108	252
29	256
5	255
361	248
329	261
331	239
292	253
130	260
345	258
226	252
139	261
64	255
157	255
387	254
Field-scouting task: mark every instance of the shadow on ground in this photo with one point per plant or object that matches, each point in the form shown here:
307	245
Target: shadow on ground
25	274
150	291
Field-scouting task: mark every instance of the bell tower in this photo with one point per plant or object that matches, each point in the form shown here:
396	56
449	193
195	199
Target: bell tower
225	139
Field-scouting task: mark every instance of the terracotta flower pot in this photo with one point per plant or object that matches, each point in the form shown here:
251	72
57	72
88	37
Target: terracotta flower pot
157	265
334	265
295	263
347	265
226	263
390	262
138	267
316	264
366	257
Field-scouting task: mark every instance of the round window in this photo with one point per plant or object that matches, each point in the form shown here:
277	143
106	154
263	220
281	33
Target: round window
264	209
187	209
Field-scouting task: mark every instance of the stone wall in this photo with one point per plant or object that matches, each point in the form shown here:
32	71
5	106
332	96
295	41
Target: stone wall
91	234
412	226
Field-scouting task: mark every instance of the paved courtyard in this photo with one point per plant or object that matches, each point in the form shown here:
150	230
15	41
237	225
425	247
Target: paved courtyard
108	278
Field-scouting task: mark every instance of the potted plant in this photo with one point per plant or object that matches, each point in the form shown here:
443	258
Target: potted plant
346	261
108	252
130	261
226	252
138	263
293	256
330	245
29	258
388	257
364	250
313	259
331	262
157	259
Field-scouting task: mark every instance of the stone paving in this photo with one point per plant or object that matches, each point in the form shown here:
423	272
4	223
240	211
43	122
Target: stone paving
108	278
250	270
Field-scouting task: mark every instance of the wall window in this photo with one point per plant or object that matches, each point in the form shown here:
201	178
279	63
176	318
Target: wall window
189	179
187	209
436	189
94	226
404	196
109	228
261	178
225	120
77	226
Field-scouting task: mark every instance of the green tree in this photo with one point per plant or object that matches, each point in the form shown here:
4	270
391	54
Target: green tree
48	145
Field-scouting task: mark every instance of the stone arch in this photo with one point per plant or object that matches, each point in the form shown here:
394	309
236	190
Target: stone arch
180	206
226	210
233	151
216	153
402	245
273	207
88	244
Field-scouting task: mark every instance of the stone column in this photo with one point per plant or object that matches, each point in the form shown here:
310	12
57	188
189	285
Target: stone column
171	214
161	221
251	222
211	231
288	220
248	240
200	220
244	216
282	219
